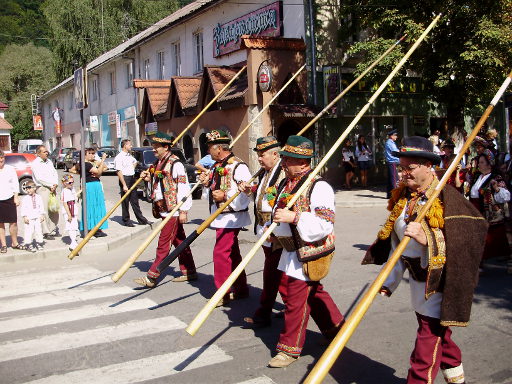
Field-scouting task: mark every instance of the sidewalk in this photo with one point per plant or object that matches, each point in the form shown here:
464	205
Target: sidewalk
119	234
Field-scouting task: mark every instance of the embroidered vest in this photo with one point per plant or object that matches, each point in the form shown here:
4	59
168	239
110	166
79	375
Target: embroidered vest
168	184
277	177
221	178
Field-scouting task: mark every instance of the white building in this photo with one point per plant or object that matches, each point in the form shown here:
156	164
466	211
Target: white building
179	45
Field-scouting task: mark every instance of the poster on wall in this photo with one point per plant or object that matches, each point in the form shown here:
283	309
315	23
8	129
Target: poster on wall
57	119
151	128
118	125
94	123
332	88
38	122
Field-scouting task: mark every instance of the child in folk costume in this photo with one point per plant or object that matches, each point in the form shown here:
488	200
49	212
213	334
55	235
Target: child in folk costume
307	235
169	185
32	211
442	258
69	201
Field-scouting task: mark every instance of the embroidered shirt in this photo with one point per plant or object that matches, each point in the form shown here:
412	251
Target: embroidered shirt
31	206
179	174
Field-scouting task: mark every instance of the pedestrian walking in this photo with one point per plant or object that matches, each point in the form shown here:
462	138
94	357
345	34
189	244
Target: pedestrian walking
69	202
364	157
442	277
125	166
46	178
9	200
169	185
264	194
348	163
222	183
306	232
391	161
32	212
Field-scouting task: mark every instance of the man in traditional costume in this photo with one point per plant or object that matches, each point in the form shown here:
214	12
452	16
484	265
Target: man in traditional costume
306	232
442	258
169	185
221	184
265	194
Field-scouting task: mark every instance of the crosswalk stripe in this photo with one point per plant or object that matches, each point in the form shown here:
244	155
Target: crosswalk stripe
148	368
23	284
18	323
259	380
62	296
64	341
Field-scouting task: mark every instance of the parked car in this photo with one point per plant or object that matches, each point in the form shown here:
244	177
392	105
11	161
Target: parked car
71	159
109	161
58	154
145	157
21	162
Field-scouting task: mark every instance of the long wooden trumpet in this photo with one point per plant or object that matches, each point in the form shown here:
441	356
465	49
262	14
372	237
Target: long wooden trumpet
194	235
221	292
91	233
330	355
157	230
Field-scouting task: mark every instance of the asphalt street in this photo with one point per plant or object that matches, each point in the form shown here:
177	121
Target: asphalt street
65	321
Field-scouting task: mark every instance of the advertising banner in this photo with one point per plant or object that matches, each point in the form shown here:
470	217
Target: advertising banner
38	122
58	121
118	125
94	123
151	128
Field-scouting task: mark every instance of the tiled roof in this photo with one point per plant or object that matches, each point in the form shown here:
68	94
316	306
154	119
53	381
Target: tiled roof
139	83
187	89
158	97
3	106
220	76
4	124
237	89
267	42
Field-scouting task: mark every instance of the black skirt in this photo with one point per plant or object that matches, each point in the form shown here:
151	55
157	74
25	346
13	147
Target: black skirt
8	212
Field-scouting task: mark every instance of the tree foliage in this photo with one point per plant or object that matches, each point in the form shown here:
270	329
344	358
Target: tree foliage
84	29
24	72
464	59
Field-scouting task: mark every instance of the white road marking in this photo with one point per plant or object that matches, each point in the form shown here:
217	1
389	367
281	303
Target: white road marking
18	323
148	368
64	341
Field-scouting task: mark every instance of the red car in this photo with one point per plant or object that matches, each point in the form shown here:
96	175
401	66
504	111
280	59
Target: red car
21	162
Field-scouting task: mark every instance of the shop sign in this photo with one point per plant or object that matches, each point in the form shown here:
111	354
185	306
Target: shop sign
129	113
332	88
265	77
118	125
151	128
266	21
38	122
112	118
58	121
94	123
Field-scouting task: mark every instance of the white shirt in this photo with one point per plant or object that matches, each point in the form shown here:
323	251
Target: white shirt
347	154
502	196
9	182
44	173
183	190
69	195
364	154
31	206
125	163
311	227
430	307
233	219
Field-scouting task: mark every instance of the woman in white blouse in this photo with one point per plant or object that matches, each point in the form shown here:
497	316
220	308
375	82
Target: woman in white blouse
489	194
8	202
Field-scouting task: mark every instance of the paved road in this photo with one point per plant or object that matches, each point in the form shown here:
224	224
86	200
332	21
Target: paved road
66	322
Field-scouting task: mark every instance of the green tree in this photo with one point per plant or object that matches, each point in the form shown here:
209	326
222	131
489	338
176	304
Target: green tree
81	30
24	72
463	60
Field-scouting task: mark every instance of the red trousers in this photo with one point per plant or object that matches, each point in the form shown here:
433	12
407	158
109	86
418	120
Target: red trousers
226	257
172	233
271	280
434	349
301	299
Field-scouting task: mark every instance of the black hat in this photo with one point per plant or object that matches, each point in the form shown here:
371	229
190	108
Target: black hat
418	147
392	131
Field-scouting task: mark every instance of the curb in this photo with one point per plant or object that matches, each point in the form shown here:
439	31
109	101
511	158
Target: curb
92	247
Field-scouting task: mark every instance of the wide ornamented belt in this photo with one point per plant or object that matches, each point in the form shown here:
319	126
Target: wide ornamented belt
287	243
263	217
413	265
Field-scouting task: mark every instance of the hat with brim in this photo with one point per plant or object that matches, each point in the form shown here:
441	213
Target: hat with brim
392	132
480	141
265	143
418	147
298	147
218	136
161	138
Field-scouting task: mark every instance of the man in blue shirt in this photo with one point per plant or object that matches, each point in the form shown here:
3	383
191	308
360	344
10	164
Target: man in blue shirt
391	161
